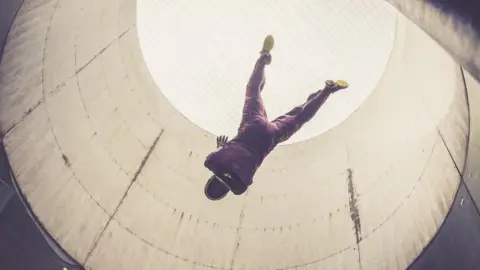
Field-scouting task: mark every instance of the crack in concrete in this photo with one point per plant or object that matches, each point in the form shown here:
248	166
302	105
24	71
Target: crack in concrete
354	213
134	179
239	238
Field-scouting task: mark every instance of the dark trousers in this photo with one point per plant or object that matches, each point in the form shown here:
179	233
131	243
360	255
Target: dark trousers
285	125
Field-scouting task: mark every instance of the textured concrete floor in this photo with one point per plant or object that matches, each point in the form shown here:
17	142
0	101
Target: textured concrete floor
116	174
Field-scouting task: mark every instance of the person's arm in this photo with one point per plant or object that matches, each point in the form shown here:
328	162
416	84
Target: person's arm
221	141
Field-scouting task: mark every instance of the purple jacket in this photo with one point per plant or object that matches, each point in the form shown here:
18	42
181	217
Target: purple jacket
245	153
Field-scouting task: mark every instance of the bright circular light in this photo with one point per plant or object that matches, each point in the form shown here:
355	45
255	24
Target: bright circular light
201	54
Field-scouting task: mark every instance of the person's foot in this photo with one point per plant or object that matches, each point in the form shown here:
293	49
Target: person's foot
265	56
334	86
268	44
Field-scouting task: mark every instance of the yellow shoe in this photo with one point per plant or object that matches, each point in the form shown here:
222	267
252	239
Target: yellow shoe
342	84
334	86
268	44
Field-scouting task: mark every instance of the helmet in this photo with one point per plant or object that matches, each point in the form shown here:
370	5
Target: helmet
215	189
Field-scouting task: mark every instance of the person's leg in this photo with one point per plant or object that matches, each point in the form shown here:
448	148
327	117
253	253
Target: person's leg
253	107
292	121
298	109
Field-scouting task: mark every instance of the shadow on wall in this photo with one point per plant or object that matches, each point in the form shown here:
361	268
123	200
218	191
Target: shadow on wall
8	11
23	245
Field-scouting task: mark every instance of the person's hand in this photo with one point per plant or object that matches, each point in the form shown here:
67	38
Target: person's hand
221	140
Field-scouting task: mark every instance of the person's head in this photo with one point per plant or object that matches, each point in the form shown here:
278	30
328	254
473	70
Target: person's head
215	189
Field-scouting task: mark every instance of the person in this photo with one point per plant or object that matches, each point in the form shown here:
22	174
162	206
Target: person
235	162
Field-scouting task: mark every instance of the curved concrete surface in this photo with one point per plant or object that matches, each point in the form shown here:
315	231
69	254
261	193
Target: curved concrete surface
453	24
115	173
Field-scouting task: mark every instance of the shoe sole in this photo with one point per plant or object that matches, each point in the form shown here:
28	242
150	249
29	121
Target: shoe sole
342	83
268	44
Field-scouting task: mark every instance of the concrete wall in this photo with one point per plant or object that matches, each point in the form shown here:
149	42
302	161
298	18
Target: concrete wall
91	134
456	243
115	173
453	24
